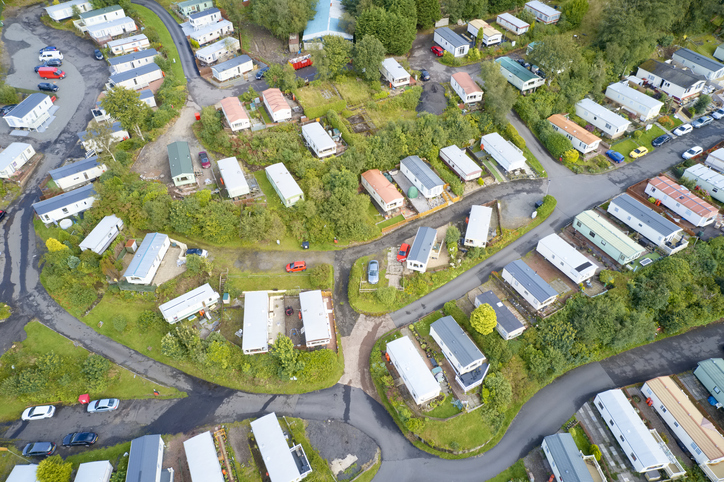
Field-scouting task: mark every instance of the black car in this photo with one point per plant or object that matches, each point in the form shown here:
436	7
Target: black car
98	54
520	61
39	449
2	214
53	63
80	438
661	140
260	74
5	110
424	75
48	86
47	49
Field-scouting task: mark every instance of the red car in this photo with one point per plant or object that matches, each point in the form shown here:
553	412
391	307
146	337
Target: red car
296	266
204	158
403	252
437	50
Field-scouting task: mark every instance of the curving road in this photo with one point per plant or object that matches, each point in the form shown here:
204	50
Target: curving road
209	403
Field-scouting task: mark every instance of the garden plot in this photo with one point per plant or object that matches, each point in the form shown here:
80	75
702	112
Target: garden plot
361	123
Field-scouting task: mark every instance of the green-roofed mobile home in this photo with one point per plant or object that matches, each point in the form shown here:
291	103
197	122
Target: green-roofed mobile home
518	76
607	237
711	374
179	160
192	6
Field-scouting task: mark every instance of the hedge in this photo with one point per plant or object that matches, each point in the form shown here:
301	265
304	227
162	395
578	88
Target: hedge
549	204
336	122
320	110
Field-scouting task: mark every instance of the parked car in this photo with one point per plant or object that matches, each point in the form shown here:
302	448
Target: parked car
683	129
615	156
53	63
424	75
718	114
38	413
373	272
403	253
638	152
51	73
80	438
204	158
437	50
105	405
2	214
6	109
693	152
47	49
296	266
39	449
98	54
520	61
661	140
198	252
50	54
47	86
702	121
260	74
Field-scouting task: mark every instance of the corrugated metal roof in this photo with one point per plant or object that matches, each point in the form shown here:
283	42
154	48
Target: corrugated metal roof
422	245
204	294
316	132
274	449
230	64
133	73
605	114
643	214
609	233
127	40
283	180
699	59
202	459
144	461
454	39
213	27
457	341
179	158
700	172
568	458
479	223
275	99
144	258
410	362
111	23
26	106
516	69
573	129
233	110
141	54
683	196
711	374
422	172
530	280
314	315
100	232
256	317
506	319
65	199
75	168
633	94
382	186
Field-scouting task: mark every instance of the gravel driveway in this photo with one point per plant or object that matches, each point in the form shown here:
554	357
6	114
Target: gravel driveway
345	448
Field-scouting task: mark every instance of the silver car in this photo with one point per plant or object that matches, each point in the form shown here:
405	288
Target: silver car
105	405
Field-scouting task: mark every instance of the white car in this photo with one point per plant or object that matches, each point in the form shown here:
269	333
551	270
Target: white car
683	129
718	114
38	413
693	152
105	405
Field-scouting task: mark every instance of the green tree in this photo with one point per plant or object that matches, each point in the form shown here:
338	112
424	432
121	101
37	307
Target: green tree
172	347
100	138
96	368
126	106
387	295
287	357
54	245
596	452
321	276
702	103
555	54
575	10
570	156
53	469
428	12
499	95
218	354
484	319
368	54
332	58
196	264
283	17
283	77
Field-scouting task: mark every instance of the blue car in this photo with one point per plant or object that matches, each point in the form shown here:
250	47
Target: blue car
260	74
615	156
373	272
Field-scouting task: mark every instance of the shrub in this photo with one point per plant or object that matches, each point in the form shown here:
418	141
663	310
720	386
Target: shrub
119	322
480	181
194	43
512	134
387	295
8	94
570	156
380	95
316	111
549	204
596	452
637	135
321	276
336	122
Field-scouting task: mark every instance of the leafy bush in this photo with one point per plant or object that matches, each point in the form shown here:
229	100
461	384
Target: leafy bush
8	94
96	368
53	469
511	133
570	156
636	135
321	276
556	143
336	122
315	111
387	295
119	322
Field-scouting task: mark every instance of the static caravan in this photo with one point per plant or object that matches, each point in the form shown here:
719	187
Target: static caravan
235	115
190	6
211	32
394	74
138	78
282	463
567	462
607	237
284	184
86	138
31	113
648	223
421	249
478	230
202	459
382	191
715	160
13	157
681	201
412	369
235	67
180	163
645	107
128	44
64	10
512	24
612	124
318	140
315	318
468	362
196	302
485	33
146	459
518	76
582	140
102	235
422	176
276	105
233	177
679	84
566	258
255	337
114	28
466	88
147	260
508	325
505	153
451	42
710	373
460	163
212	53
709	180
699	64
76	174
101	15
132	61
542	12
65	205
98	471
205	17
529	285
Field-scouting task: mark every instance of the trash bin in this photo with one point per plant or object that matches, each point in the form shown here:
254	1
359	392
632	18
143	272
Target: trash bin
198	116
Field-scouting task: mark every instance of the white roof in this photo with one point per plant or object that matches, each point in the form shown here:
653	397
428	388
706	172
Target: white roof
508	154
646	449
718	155
600	111
256	316
513	20
126	40
99	471
634	95
232	174
394	68
274	449
203	461
212	27
479	222
113	23
100	233
543	8
201	296
64	5
284	181
565	251
10	153
409	361
701	172
23	473
314	315
460	160
319	136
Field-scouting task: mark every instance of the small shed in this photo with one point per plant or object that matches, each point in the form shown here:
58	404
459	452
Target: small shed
232	177
182	168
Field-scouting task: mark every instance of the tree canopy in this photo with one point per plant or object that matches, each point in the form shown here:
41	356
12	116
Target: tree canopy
499	94
484	319
368	55
283	17
333	57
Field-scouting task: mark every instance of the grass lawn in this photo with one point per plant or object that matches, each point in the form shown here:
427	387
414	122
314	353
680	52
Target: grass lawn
370	473
445	410
514	472
42	340
282	281
491	167
265	115
650	135
316	96
272	198
534	163
354	91
392	221
112	454
150	19
625	147
708	45
466	431
582	442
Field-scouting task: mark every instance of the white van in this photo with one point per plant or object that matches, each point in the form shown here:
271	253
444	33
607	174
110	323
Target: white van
50	54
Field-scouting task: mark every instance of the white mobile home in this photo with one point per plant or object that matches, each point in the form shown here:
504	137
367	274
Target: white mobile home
13	157
466	88
255	337
699	64
529	285
422	176
23	473
136	79
233	177
232	68
148	257
412	369
567	462
384	193
542	12
681	201
508	325
235	115
451	42
98	471
276	105
128	44
146	459
642	219
65	10
582	140
518	76
421	249
31	113
106	31
105	232
478	230
212	53
196	301
635	439
132	61
612	124
319	140
315	318
678	84
283	463
715	160
146	95
284	184
482	31
86	138
566	258
505	153
645	107
212	32
512	24
65	205
393	73
190	6
460	163
709	180
465	357
201	19
95	17
202	459
607	237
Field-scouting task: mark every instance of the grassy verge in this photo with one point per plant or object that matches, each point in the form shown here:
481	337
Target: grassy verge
150	19
112	454
595	165
624	148
491	167
514	472
534	163
391	222
650	135
320	468
70	381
